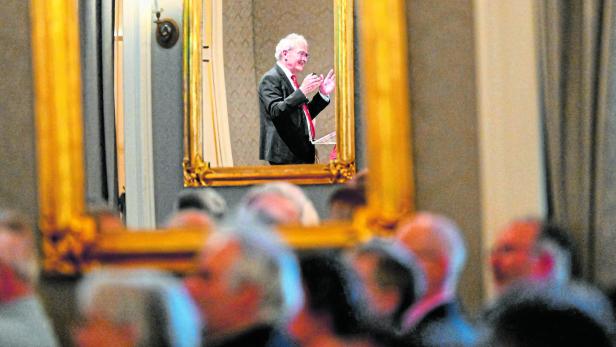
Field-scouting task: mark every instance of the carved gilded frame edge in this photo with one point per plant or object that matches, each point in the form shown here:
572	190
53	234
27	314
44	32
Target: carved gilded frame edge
71	241
198	173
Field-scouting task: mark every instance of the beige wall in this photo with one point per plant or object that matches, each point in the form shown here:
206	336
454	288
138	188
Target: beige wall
251	30
17	175
240	80
445	125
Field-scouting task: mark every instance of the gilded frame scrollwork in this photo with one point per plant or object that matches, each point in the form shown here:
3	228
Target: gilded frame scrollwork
197	172
71	241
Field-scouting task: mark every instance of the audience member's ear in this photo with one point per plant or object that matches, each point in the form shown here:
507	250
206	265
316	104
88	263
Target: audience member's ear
249	296
11	285
544	266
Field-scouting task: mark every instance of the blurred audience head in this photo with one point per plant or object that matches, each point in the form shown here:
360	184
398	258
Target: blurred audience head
245	277
107	218
206	200
535	314
359	181
135	308
528	249
438	246
279	203
391	276
189	218
18	261
334	304
344	201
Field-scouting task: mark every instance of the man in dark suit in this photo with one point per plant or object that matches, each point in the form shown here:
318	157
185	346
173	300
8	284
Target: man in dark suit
286	114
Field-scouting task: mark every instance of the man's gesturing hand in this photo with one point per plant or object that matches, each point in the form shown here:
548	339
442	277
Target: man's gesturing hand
310	83
329	83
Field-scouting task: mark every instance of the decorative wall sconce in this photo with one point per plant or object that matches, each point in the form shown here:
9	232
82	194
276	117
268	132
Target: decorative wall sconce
167	31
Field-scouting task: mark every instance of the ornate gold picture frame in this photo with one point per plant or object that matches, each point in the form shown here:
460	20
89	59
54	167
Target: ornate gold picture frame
197	172
71	241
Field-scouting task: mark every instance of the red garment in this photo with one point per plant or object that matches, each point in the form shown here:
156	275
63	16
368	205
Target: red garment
305	108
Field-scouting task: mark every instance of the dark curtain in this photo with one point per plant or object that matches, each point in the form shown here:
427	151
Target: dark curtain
96	39
578	70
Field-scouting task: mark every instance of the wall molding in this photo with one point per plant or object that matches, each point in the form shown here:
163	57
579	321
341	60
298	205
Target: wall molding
140	201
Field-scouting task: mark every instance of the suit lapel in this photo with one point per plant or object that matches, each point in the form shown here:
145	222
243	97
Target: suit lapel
299	113
284	78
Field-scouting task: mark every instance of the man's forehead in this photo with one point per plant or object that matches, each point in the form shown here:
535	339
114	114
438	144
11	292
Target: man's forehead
365	258
419	231
520	232
300	45
219	251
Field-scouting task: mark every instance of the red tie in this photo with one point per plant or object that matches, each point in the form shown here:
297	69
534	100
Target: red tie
305	108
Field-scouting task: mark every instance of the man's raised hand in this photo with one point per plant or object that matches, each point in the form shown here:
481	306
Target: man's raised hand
328	83
310	83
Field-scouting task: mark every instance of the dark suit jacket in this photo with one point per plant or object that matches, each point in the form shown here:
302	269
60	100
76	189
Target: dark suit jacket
258	336
283	131
444	326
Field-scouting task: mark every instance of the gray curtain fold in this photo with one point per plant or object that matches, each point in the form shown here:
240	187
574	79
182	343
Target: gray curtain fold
577	58
96	39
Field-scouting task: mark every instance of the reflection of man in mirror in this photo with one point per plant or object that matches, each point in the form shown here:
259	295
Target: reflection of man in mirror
286	113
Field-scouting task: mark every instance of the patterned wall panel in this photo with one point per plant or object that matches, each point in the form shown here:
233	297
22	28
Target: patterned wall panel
251	30
241	85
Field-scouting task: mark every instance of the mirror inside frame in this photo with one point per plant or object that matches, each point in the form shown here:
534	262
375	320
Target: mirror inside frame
224	59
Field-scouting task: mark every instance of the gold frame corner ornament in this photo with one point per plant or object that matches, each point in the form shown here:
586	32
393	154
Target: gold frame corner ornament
71	241
196	175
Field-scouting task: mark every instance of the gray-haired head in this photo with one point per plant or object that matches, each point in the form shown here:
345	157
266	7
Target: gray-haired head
455	246
22	259
153	303
267	263
541	314
278	203
556	240
288	43
438	233
396	268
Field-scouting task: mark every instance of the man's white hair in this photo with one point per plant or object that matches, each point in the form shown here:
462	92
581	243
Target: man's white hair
456	248
154	303
452	244
287	43
307	212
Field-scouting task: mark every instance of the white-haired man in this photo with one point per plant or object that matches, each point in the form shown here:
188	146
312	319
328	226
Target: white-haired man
23	321
286	114
277	203
135	307
247	286
436	319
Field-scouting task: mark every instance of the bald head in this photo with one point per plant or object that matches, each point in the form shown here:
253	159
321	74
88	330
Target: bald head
530	249
436	242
